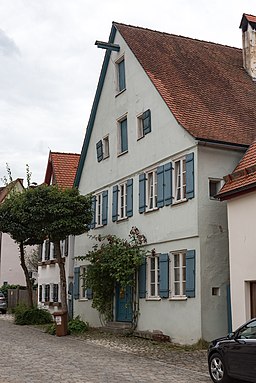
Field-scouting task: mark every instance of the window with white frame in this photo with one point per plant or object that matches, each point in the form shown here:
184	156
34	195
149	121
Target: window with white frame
47	293
178	274
82	284
121	82
105	147
122	205
151	190
143	124
180	180
122	136
98	213
153	276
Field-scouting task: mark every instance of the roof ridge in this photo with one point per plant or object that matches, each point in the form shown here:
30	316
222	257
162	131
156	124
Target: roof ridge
172	34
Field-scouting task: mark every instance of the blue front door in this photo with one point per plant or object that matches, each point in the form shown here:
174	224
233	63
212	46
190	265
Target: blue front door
123	304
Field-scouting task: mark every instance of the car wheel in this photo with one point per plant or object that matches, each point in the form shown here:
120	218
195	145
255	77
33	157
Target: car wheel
3	311
217	369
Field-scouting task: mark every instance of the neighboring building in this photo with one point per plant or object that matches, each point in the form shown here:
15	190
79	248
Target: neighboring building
240	193
171	115
11	271
61	170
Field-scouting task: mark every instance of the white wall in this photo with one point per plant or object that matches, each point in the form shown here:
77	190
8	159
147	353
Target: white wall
241	218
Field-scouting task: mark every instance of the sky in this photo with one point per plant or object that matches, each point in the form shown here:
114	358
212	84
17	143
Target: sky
50	66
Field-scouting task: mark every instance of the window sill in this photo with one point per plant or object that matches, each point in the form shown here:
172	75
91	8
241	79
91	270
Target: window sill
122	220
151	210
83	299
179	202
153	299
178	299
120	92
121	154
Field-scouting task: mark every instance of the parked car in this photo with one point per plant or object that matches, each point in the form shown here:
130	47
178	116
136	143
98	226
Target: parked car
234	356
3	303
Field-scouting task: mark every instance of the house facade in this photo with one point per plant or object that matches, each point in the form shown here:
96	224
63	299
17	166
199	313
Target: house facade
162	132
61	170
11	272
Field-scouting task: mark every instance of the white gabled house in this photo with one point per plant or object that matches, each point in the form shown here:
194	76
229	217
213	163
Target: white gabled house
61	170
169	118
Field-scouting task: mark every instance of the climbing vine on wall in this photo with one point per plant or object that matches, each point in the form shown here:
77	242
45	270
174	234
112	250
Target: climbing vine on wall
112	260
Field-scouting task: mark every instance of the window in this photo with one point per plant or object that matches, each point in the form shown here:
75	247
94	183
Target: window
121	74
47	249
47	293
180	180
40	293
144	124
102	149
99	209
82	289
179	274
105	147
153	276
55	292
122	136
151	190
66	246
214	187
123	201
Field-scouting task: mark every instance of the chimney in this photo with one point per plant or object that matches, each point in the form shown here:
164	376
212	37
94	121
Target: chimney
248	26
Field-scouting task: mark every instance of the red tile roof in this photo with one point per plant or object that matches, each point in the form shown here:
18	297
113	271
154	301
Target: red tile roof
243	178
204	84
61	169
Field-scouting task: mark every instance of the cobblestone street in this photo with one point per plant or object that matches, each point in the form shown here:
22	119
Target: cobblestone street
29	355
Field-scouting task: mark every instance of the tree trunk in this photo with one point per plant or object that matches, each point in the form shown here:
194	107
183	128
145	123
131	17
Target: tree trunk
25	269
63	282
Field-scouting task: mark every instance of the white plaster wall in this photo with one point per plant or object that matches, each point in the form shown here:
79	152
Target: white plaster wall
10	268
213	231
241	218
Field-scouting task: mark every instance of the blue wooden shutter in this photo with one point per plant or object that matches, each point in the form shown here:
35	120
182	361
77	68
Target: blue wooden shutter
76	282
164	275
142	193
160	186
129	207
146	122
124	137
121	75
142	279
93	222
105	207
190	273
99	149
168	184
190	176
115	203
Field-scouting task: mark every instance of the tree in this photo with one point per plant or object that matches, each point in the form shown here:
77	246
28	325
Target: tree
46	212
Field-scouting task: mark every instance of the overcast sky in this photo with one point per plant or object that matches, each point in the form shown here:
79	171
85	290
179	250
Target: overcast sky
49	65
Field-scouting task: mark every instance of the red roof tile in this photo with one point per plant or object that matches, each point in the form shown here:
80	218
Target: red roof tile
61	169
243	178
204	84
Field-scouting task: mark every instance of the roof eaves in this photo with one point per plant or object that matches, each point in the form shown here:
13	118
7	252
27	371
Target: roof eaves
94	109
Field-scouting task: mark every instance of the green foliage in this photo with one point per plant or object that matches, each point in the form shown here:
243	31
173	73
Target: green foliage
4	289
113	260
51	329
24	315
77	326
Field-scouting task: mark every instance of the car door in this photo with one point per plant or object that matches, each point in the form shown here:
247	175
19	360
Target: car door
241	355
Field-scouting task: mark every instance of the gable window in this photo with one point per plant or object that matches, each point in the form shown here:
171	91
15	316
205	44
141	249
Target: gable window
214	187
153	276
143	124
121	74
99	209
102	148
122	206
122	136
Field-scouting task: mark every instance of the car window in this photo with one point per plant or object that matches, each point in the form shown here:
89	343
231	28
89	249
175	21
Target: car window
248	331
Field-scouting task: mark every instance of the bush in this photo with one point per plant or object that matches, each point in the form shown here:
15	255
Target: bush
24	315
77	326
51	329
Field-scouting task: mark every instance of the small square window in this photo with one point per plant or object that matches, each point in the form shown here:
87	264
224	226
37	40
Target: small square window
216	291
214	187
